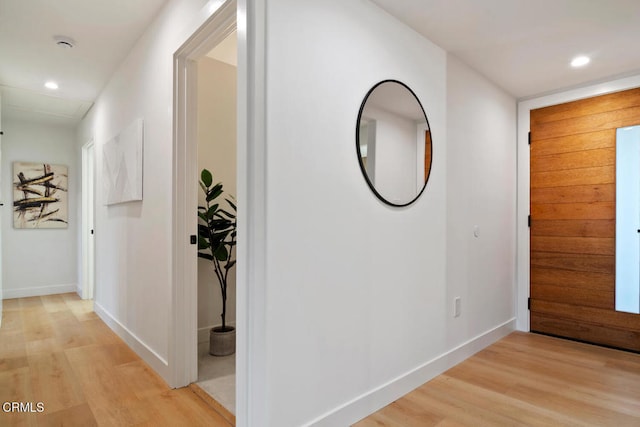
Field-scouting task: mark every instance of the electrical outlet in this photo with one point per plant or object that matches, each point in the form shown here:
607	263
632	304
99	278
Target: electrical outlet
456	307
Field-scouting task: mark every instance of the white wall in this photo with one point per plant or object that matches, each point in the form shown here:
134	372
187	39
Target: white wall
217	152
133	240
481	197
39	261
358	299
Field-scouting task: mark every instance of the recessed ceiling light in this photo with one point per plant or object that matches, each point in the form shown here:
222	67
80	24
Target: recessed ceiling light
580	61
51	85
64	42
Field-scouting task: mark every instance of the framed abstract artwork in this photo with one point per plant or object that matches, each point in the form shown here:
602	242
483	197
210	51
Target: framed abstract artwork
122	165
40	195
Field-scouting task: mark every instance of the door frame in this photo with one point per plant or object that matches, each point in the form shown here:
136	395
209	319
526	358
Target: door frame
88	218
248	16
523	255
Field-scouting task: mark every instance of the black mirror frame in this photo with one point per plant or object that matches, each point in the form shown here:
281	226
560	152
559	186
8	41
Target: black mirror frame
359	154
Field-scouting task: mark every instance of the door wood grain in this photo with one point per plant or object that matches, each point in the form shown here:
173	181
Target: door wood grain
572	193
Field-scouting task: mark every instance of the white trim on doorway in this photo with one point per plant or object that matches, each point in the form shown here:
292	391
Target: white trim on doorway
524	110
251	352
87	285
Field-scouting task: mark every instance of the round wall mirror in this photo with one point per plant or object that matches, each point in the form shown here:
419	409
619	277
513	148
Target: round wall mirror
393	141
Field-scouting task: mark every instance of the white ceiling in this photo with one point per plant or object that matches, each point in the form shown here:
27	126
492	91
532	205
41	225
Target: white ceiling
104	32
523	46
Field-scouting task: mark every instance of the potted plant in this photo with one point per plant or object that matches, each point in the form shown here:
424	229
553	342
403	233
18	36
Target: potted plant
216	242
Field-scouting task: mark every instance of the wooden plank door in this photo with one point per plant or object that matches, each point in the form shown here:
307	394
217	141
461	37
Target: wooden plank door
573	220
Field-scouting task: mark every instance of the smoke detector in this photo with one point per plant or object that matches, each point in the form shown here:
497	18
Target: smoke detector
64	42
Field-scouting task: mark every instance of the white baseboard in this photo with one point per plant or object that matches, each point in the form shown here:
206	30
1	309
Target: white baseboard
372	401
203	333
38	291
146	353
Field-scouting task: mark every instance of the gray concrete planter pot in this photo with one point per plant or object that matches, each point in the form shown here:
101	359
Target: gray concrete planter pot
222	343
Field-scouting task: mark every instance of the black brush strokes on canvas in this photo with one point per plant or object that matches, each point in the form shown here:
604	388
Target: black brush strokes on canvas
37	204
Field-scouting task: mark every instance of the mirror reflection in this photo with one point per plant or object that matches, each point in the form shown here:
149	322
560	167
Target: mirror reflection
393	140
628	219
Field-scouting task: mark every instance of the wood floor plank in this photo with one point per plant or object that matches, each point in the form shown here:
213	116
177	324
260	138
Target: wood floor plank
10	305
54	303
16	385
548	384
140	379
182	407
11	321
528	380
14	344
55	350
81	309
36	322
80	415
52	380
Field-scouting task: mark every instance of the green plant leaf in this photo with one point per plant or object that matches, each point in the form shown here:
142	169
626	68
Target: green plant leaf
221	253
227	214
203	243
214	193
212	211
217	230
203	231
220	224
206	178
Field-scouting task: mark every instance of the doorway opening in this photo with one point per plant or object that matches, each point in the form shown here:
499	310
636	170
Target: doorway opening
187	297
216	136
88	244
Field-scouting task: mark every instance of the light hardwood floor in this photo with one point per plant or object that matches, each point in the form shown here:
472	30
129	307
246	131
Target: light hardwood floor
526	380
55	350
